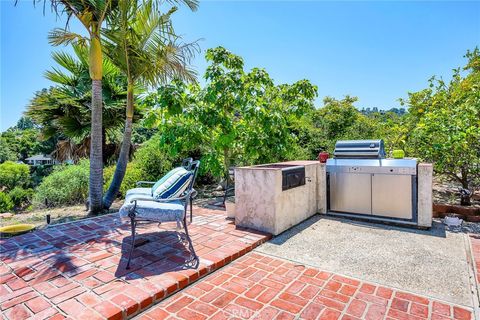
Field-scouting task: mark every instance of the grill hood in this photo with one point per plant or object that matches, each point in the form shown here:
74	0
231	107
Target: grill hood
359	149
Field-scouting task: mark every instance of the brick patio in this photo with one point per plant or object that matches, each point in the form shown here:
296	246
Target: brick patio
258	286
77	270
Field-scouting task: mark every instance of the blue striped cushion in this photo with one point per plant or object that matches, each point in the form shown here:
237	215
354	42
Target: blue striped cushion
173	185
165	178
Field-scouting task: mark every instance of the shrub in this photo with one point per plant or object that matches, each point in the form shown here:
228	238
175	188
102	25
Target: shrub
14	174
134	173
20	196
66	185
6	203
152	160
40	172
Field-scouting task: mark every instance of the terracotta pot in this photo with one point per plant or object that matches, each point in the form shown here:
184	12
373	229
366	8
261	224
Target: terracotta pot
323	157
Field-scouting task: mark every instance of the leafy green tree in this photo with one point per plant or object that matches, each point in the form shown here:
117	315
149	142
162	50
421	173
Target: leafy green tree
21	141
6	153
446	117
141	42
237	118
337	116
330	123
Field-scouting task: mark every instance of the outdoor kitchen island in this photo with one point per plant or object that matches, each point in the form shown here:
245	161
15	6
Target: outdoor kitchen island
275	197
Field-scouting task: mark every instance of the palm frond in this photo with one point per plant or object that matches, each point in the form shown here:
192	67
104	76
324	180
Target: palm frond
60	36
58	77
65	108
142	43
192	4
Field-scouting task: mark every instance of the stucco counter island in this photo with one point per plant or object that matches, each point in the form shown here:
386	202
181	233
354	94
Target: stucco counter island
275	197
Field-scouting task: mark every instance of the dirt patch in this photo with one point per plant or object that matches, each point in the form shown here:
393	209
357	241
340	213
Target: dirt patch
57	215
446	191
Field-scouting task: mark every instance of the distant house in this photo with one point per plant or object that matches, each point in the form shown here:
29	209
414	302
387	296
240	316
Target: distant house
41	159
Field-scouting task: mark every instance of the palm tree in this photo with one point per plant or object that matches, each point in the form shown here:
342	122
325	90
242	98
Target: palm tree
63	110
141	42
91	14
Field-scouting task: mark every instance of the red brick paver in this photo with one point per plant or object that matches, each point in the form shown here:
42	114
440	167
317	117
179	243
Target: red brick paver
257	286
77	270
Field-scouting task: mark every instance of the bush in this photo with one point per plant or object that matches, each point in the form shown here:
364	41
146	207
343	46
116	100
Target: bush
152	160
40	172
14	174
6	203
20	196
134	173
66	185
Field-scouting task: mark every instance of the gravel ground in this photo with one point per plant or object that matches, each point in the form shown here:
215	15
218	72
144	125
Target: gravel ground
429	262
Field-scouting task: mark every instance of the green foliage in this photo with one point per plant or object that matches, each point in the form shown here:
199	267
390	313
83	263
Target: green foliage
341	120
20	197
133	174
21	141
39	172
14	175
64	110
142	43
6	153
6	203
446	123
337	116
152	159
237	118
66	185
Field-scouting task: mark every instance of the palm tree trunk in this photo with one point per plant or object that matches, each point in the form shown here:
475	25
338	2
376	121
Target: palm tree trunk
122	162
96	158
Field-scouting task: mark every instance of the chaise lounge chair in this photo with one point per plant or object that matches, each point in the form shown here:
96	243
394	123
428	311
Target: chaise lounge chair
167	203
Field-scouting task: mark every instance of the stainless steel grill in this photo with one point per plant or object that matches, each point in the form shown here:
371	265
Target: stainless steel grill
362	182
359	149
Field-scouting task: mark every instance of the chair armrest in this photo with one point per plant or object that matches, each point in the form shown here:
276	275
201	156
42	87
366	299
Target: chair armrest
139	183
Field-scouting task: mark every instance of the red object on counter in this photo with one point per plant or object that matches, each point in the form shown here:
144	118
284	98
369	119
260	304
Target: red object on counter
323	156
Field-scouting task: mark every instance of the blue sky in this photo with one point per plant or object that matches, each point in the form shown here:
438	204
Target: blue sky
377	50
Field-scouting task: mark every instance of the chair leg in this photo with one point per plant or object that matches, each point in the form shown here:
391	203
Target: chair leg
191	210
133	225
188	238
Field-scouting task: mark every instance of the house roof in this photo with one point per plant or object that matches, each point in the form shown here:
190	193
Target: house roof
39	157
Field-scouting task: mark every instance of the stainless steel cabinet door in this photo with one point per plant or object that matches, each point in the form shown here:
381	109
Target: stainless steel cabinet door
351	192
392	196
